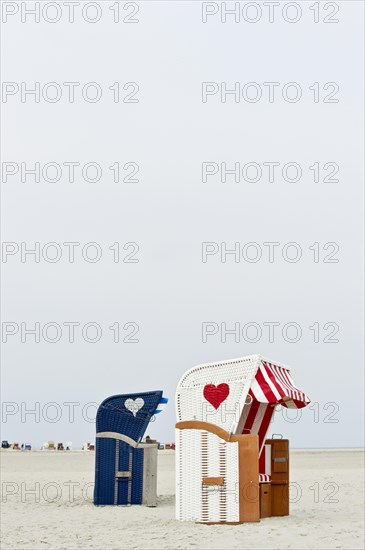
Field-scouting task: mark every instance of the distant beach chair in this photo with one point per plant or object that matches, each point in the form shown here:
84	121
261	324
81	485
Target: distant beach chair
16	446
126	468
226	469
27	447
60	447
5	444
51	446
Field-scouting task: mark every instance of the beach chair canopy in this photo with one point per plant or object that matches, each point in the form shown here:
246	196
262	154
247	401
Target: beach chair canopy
273	384
238	395
128	414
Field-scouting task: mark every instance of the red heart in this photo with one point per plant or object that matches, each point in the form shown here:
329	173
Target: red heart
216	394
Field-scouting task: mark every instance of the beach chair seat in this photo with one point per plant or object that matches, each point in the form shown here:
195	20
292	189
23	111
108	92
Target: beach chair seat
264	478
217	474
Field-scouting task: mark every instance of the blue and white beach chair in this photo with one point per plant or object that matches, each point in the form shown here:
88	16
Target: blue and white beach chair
125	468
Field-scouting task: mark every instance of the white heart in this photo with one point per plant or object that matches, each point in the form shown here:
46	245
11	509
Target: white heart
133	405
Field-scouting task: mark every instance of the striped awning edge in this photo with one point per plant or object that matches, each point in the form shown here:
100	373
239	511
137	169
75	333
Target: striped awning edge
274	384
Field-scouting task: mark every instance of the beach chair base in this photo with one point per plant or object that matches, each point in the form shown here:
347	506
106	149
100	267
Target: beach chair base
279	476
265	500
226	489
129	476
279	499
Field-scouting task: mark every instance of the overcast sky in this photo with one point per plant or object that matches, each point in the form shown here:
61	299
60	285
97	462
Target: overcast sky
156	114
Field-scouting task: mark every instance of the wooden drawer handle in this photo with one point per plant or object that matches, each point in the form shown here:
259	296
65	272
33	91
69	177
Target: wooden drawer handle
213	480
123	474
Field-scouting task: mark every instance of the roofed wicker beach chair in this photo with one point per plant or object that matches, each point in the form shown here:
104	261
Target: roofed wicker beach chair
226	469
126	468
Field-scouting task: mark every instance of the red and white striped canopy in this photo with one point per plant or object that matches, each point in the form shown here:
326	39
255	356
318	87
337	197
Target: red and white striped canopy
274	384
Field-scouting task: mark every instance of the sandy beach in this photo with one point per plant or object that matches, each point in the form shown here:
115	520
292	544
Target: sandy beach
47	503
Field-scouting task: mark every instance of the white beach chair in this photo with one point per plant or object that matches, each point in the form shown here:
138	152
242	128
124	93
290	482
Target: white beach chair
224	411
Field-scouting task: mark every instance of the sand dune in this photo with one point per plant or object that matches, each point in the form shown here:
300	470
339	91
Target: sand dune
47	503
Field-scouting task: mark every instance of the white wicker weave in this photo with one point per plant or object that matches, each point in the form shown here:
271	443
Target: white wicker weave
237	373
201	454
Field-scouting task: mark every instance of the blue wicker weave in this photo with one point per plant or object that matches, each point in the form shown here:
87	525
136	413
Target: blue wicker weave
113	455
